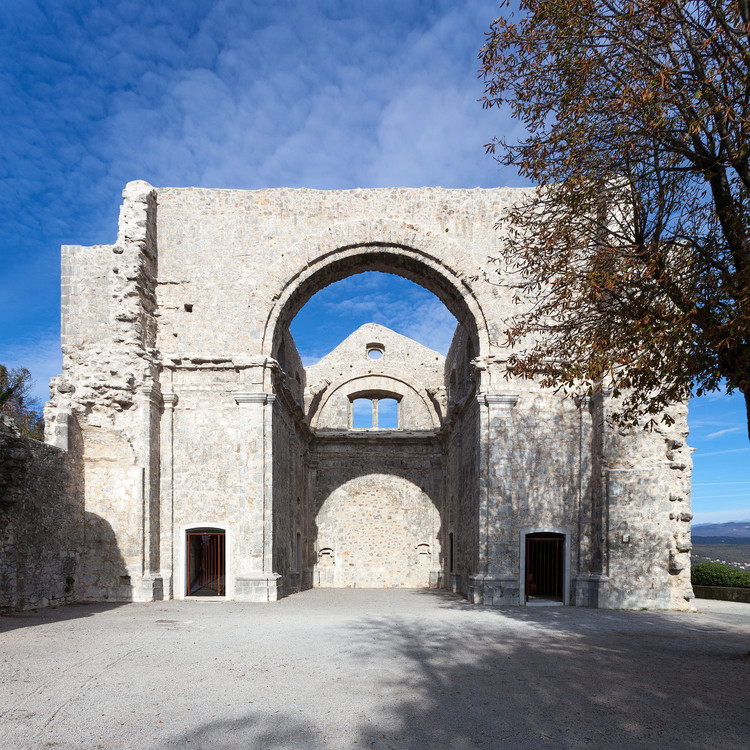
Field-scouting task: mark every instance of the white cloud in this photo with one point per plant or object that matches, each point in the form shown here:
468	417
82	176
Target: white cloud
702	454
719	433
715	484
431	324
251	100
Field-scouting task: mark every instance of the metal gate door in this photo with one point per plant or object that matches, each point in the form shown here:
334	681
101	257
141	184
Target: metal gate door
545	566
206	563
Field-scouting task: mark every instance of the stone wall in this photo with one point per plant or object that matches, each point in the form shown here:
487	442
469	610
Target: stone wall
646	493
405	371
109	389
462	499
462	443
204	460
41	522
376	512
194	409
376	531
231	254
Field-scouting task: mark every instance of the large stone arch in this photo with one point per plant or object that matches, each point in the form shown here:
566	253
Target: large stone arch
437	263
443	266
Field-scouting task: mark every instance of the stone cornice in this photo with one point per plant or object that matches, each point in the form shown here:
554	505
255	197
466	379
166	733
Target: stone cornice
169	399
506	400
174	361
253	397
582	402
152	391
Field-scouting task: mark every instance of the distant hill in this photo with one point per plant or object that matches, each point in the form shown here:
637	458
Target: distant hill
728	543
733	529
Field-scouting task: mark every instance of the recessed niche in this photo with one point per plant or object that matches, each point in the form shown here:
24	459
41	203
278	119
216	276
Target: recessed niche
325	556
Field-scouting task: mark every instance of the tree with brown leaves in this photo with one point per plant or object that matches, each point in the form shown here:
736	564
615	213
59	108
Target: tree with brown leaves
633	254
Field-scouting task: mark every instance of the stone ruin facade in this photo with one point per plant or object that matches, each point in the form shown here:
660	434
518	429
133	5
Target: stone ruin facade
204	459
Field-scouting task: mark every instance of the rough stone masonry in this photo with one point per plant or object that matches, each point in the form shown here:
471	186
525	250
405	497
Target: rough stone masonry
211	462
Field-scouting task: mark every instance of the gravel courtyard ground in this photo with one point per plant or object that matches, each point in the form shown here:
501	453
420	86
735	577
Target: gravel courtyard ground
341	669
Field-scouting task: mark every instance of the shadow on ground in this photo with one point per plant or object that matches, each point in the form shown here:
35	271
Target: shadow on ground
30	618
348	669
522	678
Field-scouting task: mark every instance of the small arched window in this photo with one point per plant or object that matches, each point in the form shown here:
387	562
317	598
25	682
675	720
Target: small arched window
375	411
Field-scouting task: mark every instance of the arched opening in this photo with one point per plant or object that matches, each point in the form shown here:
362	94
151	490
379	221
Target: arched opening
376	531
373	515
374	410
389	383
399	260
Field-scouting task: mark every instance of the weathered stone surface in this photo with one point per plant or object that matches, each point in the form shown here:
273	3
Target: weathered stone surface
405	371
41	522
376	531
194	412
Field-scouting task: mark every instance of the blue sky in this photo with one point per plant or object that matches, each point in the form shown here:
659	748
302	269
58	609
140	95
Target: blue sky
246	94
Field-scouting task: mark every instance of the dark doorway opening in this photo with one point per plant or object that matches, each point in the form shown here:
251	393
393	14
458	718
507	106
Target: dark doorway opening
206	563
545	567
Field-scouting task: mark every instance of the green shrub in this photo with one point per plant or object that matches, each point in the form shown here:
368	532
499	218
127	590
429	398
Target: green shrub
715	574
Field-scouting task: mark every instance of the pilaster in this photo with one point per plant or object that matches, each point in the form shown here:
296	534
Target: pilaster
495	580
584	565
150	401
255	579
166	495
589	582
